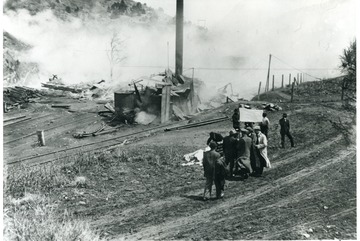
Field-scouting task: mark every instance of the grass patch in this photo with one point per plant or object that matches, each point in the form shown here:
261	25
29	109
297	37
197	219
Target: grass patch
34	217
43	202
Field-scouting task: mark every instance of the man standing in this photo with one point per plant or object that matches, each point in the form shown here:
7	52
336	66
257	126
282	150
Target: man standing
214	171
236	119
218	139
258	157
243	151
229	148
265	123
285	130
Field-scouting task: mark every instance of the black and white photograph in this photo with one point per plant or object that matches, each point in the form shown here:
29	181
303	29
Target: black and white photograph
179	120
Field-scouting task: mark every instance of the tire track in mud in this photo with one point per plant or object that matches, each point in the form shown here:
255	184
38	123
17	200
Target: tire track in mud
172	226
164	230
304	227
158	205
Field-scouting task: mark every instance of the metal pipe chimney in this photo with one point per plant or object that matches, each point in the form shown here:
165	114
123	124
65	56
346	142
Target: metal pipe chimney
179	37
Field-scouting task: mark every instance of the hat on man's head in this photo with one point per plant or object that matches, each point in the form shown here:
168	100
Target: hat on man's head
244	130
233	132
249	129
284	115
257	128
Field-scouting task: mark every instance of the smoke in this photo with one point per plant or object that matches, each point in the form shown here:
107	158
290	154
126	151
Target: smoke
78	51
234	49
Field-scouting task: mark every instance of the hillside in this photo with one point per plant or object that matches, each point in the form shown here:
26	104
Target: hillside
19	70
14	70
137	188
85	8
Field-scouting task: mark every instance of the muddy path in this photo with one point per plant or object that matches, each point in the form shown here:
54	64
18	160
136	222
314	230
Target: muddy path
280	205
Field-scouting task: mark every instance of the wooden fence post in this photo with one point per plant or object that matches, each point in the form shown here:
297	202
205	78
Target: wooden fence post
289	80
297	79
292	91
41	137
273	83
282	81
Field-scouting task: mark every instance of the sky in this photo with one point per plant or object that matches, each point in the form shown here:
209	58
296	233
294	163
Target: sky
301	36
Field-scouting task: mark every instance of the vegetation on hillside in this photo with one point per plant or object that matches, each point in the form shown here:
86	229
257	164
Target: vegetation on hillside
348	67
64	8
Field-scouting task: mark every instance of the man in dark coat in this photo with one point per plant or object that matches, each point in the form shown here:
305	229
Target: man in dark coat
243	153
229	148
217	138
285	130
214	172
265	123
236	119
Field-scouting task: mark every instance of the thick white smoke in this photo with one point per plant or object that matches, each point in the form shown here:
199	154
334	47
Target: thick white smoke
234	49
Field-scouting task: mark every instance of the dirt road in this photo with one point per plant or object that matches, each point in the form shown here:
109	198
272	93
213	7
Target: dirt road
273	207
141	190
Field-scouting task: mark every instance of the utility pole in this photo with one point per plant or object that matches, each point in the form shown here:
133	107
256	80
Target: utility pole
268	75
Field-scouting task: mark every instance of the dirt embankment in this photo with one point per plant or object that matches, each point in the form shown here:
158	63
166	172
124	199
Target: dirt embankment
310	191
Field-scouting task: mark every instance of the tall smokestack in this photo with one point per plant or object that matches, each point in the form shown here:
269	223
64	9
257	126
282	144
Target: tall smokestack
179	37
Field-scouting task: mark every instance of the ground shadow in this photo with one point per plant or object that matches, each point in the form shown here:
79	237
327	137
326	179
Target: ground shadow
199	198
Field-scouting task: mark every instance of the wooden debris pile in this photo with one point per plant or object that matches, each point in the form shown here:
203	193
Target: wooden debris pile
18	95
271	107
56	86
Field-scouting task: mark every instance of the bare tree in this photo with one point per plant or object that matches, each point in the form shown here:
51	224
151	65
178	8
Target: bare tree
116	54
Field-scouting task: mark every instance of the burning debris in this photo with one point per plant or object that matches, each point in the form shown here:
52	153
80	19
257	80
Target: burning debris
271	107
166	95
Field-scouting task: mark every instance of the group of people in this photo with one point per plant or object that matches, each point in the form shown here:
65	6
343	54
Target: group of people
243	152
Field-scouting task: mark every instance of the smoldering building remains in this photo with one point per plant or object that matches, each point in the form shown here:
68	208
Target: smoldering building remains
168	93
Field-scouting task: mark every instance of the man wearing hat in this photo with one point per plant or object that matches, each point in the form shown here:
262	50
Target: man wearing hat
214	172
285	130
259	158
243	152
218	139
229	148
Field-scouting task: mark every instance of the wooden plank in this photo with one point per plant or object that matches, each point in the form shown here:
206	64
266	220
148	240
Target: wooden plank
60	106
15	118
62	87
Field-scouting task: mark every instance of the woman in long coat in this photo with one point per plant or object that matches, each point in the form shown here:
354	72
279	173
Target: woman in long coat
258	155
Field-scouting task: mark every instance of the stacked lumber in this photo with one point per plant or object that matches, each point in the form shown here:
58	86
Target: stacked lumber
18	95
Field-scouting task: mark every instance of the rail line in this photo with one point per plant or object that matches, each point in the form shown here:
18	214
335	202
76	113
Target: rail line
102	141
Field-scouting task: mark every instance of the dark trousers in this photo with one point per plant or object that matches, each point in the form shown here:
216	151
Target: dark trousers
219	184
257	169
257	163
283	138
265	130
230	161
